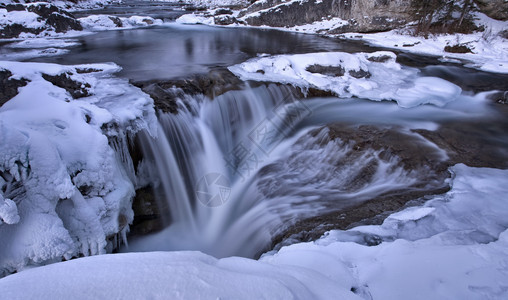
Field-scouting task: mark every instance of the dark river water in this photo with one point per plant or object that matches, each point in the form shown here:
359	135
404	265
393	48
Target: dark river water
175	50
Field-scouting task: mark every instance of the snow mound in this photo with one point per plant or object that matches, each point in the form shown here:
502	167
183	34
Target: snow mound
458	250
375	76
105	22
195	19
64	191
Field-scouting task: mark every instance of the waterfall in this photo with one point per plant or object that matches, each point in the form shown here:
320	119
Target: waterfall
232	172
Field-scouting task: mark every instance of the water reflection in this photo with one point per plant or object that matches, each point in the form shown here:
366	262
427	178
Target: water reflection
175	50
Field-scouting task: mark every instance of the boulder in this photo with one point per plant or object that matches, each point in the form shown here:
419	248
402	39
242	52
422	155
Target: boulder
49	17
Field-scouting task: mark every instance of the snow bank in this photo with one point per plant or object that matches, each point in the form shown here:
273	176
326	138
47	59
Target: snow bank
70	191
105	22
454	247
375	76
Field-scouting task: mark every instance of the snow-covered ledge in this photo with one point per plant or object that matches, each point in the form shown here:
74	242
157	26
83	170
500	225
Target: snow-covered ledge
64	191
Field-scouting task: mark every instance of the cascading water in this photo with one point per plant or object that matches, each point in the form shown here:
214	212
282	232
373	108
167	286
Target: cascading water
233	172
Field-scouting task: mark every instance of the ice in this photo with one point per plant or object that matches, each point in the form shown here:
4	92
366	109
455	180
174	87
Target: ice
413	214
66	191
375	76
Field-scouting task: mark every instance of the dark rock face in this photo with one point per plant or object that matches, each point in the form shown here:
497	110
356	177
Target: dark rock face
165	93
496	9
55	18
147	216
362	15
9	87
14	30
75	88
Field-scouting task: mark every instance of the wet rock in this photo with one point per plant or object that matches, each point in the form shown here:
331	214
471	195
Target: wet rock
467	143
327	70
8	86
165	93
394	148
147	217
14	30
75	88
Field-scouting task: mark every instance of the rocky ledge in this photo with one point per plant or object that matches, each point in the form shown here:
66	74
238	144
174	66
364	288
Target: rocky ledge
35	18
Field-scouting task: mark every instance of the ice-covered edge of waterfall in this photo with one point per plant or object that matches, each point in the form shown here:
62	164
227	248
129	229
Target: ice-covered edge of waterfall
453	246
374	76
64	191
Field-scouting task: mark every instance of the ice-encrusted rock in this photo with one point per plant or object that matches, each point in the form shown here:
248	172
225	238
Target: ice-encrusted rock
65	184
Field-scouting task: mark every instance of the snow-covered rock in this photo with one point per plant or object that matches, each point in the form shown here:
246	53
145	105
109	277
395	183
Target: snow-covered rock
64	191
105	22
375	76
35	19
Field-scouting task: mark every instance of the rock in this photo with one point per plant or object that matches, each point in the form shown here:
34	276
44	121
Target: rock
116	20
56	19
496	9
226	20
9	87
165	93
147	216
14	30
392	144
223	11
327	70
75	88
457	49
62	23
362	15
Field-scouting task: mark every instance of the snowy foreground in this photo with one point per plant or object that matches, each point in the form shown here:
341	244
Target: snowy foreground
455	246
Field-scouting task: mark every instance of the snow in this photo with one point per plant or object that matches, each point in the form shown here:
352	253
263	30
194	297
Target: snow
320	26
70	191
489	49
105	22
195	19
388	80
25	18
452	247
